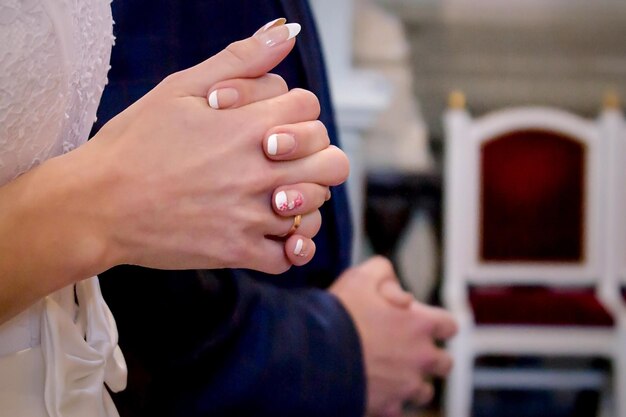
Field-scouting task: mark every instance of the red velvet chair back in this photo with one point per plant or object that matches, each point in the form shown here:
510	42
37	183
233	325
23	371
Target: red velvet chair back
531	205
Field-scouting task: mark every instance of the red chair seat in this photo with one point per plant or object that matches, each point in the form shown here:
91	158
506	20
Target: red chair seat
538	306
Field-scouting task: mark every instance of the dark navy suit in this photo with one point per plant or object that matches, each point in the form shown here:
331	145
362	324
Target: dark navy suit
230	343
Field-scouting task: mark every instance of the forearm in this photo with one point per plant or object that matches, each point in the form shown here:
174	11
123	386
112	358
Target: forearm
51	234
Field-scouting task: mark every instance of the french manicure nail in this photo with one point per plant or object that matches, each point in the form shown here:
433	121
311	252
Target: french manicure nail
280	144
274	23
279	34
298	249
288	200
223	98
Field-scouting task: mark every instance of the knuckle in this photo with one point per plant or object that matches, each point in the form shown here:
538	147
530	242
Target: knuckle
426	394
428	361
173	78
453	326
234	53
341	163
425	326
317	196
317	130
446	365
277	267
278	82
306	102
393	410
317	222
384	264
411	388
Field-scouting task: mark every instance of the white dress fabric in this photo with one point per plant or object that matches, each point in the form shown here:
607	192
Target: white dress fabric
55	357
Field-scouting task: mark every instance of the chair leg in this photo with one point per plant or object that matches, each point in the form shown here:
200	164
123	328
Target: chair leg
459	387
606	400
619	384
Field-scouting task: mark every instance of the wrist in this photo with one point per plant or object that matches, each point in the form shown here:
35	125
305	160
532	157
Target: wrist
84	210
53	233
59	206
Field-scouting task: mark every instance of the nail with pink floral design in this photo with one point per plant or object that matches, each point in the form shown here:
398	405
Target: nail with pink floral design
288	200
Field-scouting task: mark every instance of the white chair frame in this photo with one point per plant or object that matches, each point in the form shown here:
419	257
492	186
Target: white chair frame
464	137
614	129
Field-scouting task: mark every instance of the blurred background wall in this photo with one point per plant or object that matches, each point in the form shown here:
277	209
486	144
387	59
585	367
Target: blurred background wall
564	53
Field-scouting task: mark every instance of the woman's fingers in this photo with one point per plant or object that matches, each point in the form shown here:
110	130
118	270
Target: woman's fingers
299	249
249	58
329	167
310	224
277	256
295	141
242	91
295	106
295	199
269	257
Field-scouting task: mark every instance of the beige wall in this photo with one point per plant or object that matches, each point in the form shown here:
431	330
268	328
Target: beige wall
565	53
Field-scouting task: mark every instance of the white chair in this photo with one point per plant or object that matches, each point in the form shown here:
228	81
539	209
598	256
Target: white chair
614	126
524	250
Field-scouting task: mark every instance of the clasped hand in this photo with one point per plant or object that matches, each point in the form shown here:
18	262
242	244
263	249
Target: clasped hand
207	170
212	165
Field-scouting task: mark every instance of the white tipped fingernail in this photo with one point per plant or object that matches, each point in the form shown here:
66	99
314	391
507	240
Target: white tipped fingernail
276	22
294	29
276	35
213	102
298	249
281	200
272	144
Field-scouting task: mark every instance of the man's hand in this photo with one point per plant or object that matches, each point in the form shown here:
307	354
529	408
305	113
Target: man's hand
398	337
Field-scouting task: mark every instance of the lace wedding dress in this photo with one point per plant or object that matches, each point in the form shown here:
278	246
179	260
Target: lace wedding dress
56	356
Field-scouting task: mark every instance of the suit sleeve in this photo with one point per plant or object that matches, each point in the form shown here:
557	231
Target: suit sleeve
218	345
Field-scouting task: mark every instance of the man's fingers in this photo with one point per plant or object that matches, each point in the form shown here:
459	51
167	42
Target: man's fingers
394	294
442	324
392	410
248	58
425	394
442	365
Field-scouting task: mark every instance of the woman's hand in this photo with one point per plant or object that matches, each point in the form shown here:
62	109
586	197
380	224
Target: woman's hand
284	143
170	183
193	186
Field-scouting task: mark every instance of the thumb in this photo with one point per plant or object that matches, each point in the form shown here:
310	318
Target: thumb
248	58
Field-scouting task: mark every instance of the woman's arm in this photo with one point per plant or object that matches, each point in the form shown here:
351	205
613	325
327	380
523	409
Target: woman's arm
169	183
51	232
